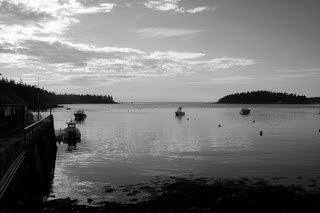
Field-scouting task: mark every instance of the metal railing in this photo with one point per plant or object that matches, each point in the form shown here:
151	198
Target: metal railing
32	135
33	131
8	177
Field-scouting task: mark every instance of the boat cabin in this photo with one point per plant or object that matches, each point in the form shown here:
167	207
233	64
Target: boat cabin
179	112
71	135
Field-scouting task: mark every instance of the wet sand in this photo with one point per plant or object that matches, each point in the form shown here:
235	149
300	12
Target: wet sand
174	194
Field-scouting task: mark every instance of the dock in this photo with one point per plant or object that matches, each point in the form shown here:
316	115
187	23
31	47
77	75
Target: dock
27	159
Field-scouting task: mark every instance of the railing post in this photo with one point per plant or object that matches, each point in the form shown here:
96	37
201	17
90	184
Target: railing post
25	138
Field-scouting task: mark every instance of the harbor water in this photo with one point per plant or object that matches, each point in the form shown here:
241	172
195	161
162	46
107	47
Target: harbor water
132	143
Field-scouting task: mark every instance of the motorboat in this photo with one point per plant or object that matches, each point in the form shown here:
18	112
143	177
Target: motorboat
80	115
179	112
245	111
71	135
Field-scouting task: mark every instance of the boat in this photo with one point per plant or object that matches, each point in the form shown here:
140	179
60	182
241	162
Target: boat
179	112
80	115
71	135
245	111
68	108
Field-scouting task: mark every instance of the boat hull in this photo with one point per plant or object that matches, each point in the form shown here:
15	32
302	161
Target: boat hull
245	112
180	113
71	136
80	116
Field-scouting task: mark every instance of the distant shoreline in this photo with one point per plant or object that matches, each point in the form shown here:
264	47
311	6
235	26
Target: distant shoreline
267	97
270	103
63	105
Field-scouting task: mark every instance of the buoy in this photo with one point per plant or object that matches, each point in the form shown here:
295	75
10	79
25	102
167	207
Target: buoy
187	118
219	125
261	133
253	121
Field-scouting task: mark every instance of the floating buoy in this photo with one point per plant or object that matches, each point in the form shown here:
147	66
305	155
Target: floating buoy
253	121
219	125
261	133
187	118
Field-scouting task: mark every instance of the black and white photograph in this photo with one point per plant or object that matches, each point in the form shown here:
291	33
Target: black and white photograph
152	106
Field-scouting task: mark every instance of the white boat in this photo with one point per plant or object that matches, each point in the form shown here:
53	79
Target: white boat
179	112
245	111
71	135
80	115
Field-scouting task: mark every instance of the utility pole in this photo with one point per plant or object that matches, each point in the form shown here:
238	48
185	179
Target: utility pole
38	101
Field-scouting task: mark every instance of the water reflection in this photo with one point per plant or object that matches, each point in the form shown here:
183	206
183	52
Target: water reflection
122	144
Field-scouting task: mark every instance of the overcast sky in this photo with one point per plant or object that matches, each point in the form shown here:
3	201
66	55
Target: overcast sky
162	50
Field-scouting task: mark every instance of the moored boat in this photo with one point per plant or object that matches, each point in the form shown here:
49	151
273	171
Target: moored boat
245	111
80	115
179	112
71	135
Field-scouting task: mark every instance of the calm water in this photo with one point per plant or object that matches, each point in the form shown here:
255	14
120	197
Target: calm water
132	143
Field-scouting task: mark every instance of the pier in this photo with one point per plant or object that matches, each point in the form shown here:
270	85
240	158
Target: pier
27	160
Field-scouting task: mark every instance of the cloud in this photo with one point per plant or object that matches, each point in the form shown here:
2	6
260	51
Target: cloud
297	75
174	5
299	70
224	62
174	55
68	61
32	40
30	19
167	32
232	79
198	9
161	5
102	8
12	12
14	59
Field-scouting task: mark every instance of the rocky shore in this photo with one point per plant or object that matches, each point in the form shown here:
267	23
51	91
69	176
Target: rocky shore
200	195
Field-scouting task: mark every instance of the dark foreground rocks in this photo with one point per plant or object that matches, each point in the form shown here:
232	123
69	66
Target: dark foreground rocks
202	195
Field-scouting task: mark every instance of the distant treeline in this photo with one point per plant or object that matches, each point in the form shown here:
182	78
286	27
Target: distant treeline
264	97
12	92
314	100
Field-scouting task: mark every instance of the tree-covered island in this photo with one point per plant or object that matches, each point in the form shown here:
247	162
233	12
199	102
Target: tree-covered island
263	97
12	92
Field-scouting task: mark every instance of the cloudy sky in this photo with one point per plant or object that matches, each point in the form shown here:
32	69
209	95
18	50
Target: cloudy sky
162	50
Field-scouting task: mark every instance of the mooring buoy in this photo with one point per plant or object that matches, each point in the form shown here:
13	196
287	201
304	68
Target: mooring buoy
261	133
